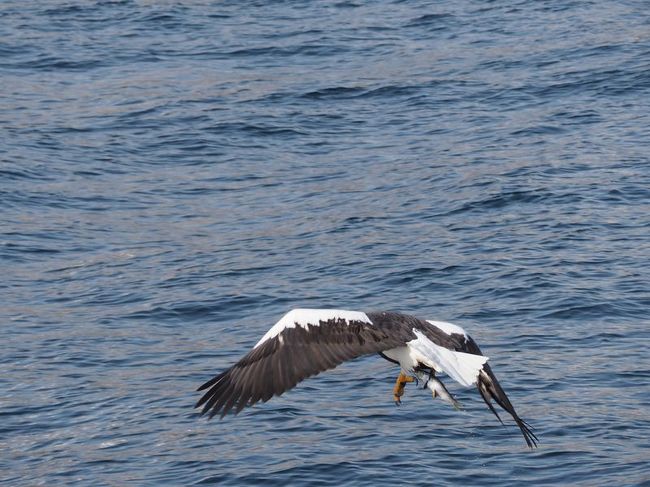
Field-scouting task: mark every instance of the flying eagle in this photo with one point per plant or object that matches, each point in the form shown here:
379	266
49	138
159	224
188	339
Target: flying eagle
306	342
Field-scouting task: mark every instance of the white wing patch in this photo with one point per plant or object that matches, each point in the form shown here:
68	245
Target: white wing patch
460	366
313	317
448	328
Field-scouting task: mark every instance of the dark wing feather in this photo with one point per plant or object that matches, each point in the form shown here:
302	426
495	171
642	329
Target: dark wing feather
279	363
487	383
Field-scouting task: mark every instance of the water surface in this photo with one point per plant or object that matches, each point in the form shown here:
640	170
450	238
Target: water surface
175	176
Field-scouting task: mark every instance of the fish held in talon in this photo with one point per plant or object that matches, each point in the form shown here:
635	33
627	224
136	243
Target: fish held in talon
438	389
306	342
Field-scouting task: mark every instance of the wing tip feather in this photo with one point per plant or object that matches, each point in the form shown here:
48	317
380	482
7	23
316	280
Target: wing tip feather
489	387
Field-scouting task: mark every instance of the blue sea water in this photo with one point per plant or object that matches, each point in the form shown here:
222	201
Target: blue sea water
175	176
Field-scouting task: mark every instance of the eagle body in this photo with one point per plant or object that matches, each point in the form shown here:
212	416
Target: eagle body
305	342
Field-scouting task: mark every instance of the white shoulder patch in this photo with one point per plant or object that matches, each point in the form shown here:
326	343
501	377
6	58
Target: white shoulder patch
448	328
460	366
313	317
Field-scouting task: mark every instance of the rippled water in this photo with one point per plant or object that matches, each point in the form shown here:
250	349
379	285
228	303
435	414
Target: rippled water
176	175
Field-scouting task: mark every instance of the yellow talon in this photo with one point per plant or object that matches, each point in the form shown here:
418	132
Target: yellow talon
400	383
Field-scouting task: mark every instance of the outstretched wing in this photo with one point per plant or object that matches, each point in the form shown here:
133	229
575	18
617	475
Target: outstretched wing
303	343
453	336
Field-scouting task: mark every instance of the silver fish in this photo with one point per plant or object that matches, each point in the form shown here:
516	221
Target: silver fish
437	389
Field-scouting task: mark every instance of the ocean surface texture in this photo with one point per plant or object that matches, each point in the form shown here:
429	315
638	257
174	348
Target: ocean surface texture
176	175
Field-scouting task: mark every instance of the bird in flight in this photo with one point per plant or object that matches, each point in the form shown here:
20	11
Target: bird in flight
306	342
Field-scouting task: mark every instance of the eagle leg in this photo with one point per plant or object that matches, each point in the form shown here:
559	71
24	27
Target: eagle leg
400	383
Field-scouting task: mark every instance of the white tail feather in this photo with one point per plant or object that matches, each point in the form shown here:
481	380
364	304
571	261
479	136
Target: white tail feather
460	366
